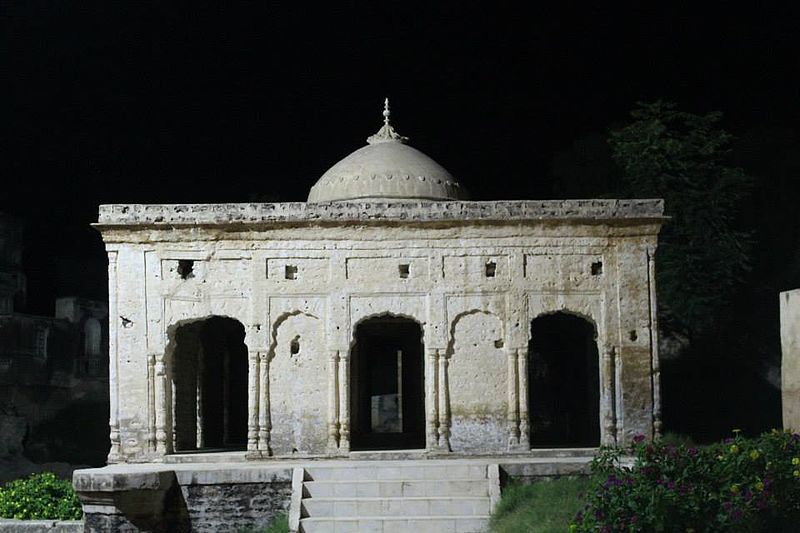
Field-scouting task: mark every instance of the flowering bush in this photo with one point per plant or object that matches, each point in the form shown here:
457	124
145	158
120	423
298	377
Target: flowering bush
40	497
739	484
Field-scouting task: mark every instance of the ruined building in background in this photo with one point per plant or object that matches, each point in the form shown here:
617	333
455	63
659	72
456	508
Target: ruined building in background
387	312
48	365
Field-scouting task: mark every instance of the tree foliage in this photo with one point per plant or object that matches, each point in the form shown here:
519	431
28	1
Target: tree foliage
684	159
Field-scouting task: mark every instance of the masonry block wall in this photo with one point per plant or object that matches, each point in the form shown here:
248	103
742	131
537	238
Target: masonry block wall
300	278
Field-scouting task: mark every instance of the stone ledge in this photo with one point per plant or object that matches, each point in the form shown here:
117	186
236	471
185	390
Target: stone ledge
123	477
32	526
103	480
363	211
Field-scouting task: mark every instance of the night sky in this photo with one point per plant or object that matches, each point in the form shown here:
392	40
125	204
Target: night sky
133	102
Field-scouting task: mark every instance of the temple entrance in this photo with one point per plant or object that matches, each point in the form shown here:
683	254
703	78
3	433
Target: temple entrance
209	385
387	399
563	382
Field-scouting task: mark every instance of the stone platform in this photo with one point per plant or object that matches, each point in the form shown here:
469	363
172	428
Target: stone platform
377	491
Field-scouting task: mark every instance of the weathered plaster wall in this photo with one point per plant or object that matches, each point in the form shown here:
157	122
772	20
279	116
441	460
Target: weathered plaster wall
298	386
290	271
478	385
790	365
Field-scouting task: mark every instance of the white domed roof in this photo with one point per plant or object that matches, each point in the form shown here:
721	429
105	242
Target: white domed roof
386	169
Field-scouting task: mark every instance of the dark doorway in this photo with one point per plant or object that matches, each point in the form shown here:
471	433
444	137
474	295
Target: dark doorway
210	385
387	399
563	382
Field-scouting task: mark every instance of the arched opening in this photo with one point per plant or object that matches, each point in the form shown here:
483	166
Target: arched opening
563	382
209	376
387	399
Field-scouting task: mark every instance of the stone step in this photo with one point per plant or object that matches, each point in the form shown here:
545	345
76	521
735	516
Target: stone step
396	488
370	507
416	470
396	524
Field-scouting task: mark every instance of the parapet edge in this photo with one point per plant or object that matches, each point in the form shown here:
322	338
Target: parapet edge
391	211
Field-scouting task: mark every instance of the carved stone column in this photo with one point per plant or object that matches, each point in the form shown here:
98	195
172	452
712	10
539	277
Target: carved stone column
444	403
171	418
524	420
344	402
163	405
114	454
226	397
252	401
513	403
432	423
151	403
333	403
656	364
609	394
264	420
200	370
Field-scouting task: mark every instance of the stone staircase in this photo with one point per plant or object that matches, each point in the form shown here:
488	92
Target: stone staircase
446	496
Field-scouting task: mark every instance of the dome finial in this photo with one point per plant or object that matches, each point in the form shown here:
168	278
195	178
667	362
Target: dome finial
386	111
386	133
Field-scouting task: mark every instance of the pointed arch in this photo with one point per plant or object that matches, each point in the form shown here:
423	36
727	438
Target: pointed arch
563	380
387	389
207	363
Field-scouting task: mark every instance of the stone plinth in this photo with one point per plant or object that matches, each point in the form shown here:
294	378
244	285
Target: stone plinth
790	365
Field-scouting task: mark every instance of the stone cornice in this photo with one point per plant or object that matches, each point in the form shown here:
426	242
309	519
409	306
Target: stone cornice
596	211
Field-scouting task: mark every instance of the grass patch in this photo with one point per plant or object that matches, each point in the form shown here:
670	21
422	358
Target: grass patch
547	506
279	525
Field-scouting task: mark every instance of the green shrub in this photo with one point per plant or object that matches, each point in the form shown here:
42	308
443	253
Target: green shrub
40	497
739	484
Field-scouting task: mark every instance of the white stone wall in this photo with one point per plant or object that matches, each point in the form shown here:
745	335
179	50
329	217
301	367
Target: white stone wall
297	386
790	366
315	282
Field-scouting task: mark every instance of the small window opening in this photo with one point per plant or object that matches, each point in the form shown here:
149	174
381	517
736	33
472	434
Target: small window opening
290	272
294	346
632	335
498	343
597	268
491	269
403	270
186	268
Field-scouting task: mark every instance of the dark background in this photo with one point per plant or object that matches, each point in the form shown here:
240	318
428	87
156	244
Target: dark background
139	102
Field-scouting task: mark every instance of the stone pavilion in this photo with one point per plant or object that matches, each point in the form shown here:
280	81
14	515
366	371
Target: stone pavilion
387	312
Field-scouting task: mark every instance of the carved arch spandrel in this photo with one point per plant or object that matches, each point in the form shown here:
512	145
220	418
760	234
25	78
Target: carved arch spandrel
383	314
588	307
179	311
412	307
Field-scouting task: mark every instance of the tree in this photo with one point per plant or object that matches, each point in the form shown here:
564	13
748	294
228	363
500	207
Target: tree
685	159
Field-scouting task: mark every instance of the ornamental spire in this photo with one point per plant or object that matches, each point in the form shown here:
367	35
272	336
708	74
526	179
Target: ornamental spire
386	133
